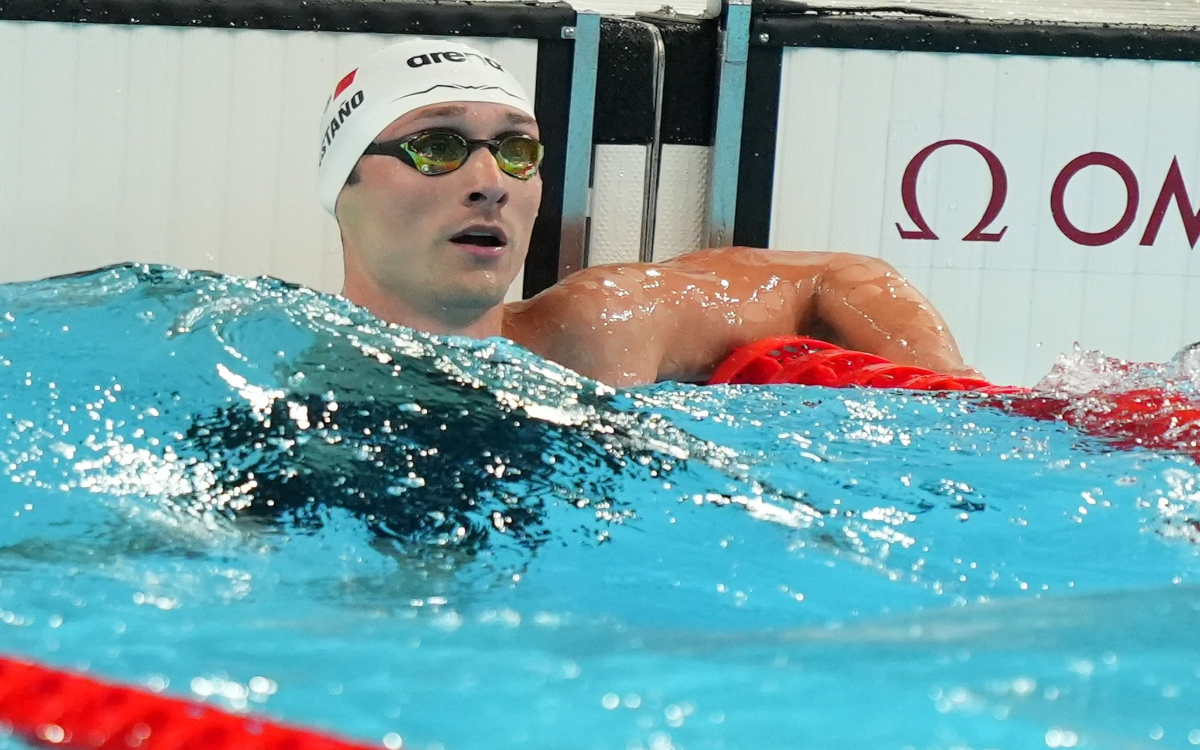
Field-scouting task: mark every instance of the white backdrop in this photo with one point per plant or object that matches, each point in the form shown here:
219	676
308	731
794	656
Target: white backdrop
195	147
851	123
190	146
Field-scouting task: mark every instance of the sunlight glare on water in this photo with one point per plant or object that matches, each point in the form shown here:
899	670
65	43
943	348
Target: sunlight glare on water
265	499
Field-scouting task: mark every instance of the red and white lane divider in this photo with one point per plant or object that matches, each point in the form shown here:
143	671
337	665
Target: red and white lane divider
1146	417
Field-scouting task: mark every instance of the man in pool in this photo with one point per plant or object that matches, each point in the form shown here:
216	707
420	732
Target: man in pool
429	162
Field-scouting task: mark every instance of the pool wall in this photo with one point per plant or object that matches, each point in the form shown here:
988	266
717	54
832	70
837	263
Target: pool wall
1033	180
183	132
190	146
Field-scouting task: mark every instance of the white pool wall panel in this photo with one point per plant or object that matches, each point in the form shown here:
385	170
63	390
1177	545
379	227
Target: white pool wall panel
617	198
194	147
851	121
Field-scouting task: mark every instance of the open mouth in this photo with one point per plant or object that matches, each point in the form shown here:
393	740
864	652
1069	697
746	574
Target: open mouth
480	238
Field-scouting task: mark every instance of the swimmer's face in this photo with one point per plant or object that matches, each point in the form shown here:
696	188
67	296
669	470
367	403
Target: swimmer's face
418	238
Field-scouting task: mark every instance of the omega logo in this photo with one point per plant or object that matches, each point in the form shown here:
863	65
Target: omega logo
1173	189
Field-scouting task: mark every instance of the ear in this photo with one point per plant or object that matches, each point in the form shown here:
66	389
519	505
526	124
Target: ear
353	179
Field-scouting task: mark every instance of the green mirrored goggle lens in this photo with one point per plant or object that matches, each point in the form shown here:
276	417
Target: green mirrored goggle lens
439	153
520	156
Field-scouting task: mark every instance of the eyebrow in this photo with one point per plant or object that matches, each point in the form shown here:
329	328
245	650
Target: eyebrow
458	110
446	110
520	118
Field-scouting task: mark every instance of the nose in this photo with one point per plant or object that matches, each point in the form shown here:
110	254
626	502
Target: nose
486	185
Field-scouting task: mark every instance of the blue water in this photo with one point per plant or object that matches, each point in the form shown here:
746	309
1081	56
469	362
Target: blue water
264	498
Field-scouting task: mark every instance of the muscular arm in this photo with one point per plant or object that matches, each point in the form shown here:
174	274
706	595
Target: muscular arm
872	308
637	323
855	301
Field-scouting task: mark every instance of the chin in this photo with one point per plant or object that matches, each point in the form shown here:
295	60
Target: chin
481	295
490	283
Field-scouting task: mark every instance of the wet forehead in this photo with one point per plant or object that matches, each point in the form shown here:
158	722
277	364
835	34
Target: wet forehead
466	115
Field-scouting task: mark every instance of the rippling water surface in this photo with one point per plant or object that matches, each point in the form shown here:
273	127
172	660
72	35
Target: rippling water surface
262	497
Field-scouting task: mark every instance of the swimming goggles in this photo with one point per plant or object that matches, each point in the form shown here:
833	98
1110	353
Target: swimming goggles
434	152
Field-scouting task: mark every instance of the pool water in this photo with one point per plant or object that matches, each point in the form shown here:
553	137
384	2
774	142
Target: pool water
261	497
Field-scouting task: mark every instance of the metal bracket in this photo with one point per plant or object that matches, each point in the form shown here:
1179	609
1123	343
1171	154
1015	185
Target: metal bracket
654	147
573	249
727	140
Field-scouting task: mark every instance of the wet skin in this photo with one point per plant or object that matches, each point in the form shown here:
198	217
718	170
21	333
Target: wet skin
399	227
627	324
637	323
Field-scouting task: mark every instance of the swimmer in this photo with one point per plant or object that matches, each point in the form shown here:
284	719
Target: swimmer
429	161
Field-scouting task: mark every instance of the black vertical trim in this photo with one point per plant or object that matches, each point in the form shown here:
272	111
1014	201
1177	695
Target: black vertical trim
552	105
690	88
756	173
624	94
625	91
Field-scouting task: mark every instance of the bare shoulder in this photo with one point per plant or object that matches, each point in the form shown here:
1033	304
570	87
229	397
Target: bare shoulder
590	322
582	299
638	322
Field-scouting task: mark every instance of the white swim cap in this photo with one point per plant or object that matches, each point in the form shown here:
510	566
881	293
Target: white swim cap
394	81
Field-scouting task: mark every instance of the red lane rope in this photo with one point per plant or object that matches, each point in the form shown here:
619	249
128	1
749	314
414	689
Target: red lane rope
1147	417
55	708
